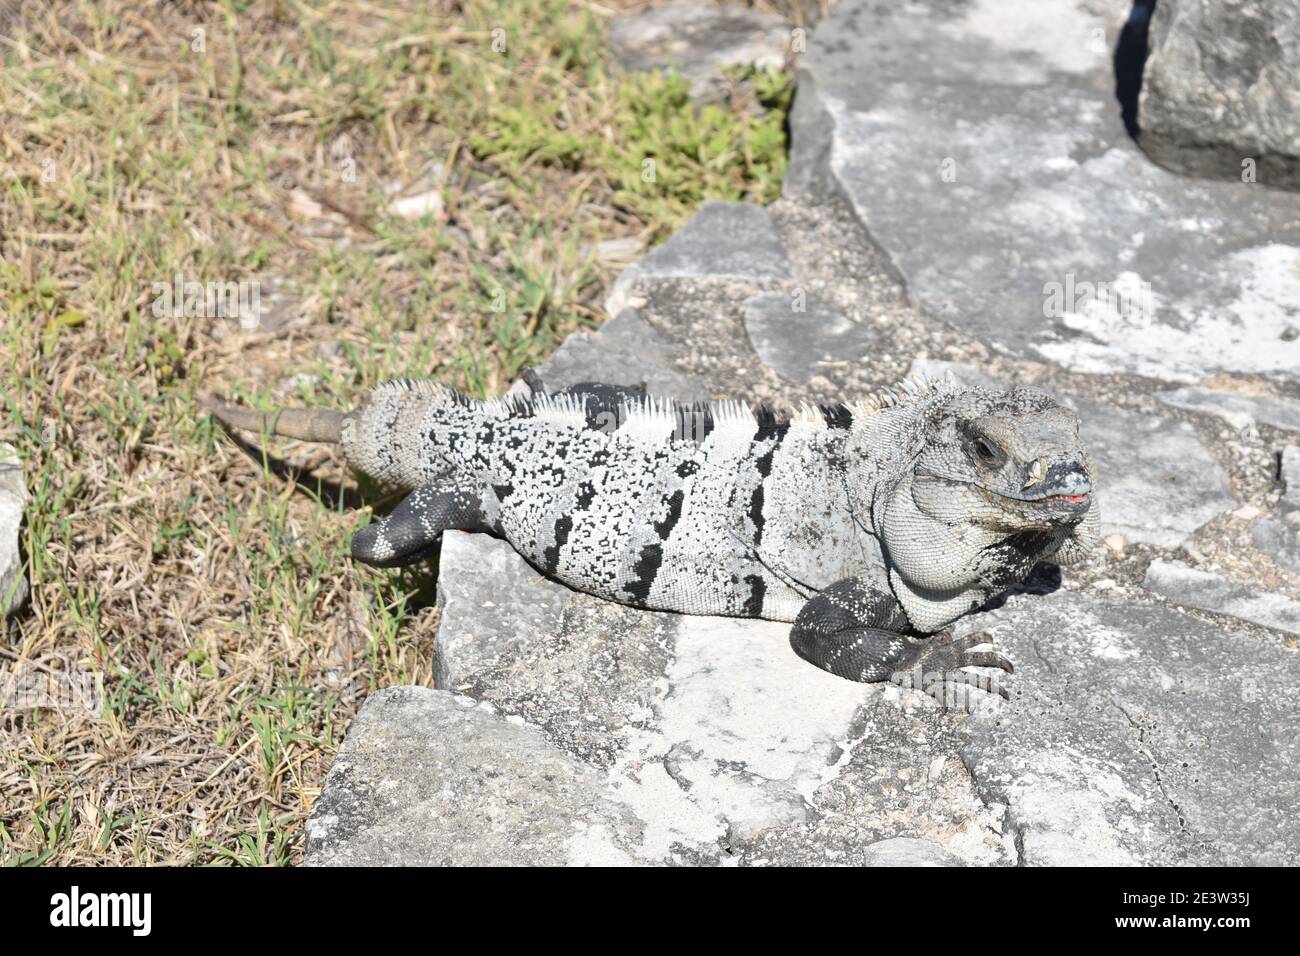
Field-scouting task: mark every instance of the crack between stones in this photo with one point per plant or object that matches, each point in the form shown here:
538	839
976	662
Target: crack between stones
984	794
1149	753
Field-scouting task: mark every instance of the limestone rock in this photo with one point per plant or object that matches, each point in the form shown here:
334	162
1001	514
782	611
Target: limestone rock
721	743
985	153
902	851
798	336
1221	86
1158	483
1193	587
502	604
1135	735
427	778
726	240
1239	411
1279	539
626	350
1138	736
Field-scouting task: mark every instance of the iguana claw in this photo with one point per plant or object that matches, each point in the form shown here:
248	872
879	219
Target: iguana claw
937	666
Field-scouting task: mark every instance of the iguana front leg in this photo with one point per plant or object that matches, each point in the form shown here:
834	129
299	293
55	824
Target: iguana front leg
859	632
413	528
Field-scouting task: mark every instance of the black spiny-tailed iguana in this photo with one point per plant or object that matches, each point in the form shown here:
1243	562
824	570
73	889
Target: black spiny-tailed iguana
868	525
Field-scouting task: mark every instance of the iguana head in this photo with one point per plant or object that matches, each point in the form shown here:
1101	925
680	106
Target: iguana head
1007	461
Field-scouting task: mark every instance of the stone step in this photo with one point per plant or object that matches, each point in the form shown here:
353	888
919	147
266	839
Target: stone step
982	146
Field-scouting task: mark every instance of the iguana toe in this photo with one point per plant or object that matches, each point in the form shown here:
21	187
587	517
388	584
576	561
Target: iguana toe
936	667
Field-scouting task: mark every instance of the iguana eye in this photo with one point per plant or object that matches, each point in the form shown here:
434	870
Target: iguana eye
984	450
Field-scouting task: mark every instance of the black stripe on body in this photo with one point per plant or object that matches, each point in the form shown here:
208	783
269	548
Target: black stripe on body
768	426
836	416
753	606
756	500
694	422
756	513
551	556
651	558
586	494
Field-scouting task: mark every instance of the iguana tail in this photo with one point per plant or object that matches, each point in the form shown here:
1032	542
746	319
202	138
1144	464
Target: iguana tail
306	424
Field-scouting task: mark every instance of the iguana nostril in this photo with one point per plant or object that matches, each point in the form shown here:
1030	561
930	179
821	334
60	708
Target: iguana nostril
1037	472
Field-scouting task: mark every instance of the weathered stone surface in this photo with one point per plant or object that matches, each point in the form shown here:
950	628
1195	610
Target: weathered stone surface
984	151
1138	736
724	745
1135	735
626	350
13	497
902	851
798	335
1193	587
699	41
1239	411
1222	85
1280	537
1157	483
1290	475
724	240
503	603
430	778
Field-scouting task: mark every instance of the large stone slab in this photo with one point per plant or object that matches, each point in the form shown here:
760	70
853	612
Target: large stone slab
427	778
1239	411
1280	537
1193	587
504	604
1135	735
626	350
723	744
13	497
1138	736
797	335
1222	87
1157	483
984	150
724	240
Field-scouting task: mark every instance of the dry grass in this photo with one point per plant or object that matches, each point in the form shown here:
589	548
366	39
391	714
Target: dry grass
212	599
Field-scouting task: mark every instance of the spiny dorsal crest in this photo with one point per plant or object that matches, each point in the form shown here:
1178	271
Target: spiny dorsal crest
655	418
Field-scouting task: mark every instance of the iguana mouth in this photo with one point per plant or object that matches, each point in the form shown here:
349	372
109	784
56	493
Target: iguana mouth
1044	499
1056	498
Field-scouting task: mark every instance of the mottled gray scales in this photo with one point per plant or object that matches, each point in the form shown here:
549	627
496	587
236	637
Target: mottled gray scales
869	525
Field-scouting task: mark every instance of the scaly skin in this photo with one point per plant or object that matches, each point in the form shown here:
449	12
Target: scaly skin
867	525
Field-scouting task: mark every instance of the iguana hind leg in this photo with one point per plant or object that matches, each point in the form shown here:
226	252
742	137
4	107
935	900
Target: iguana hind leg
859	632
412	530
853	630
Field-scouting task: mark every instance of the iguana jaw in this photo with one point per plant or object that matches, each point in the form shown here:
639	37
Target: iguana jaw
1046	492
1050	508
